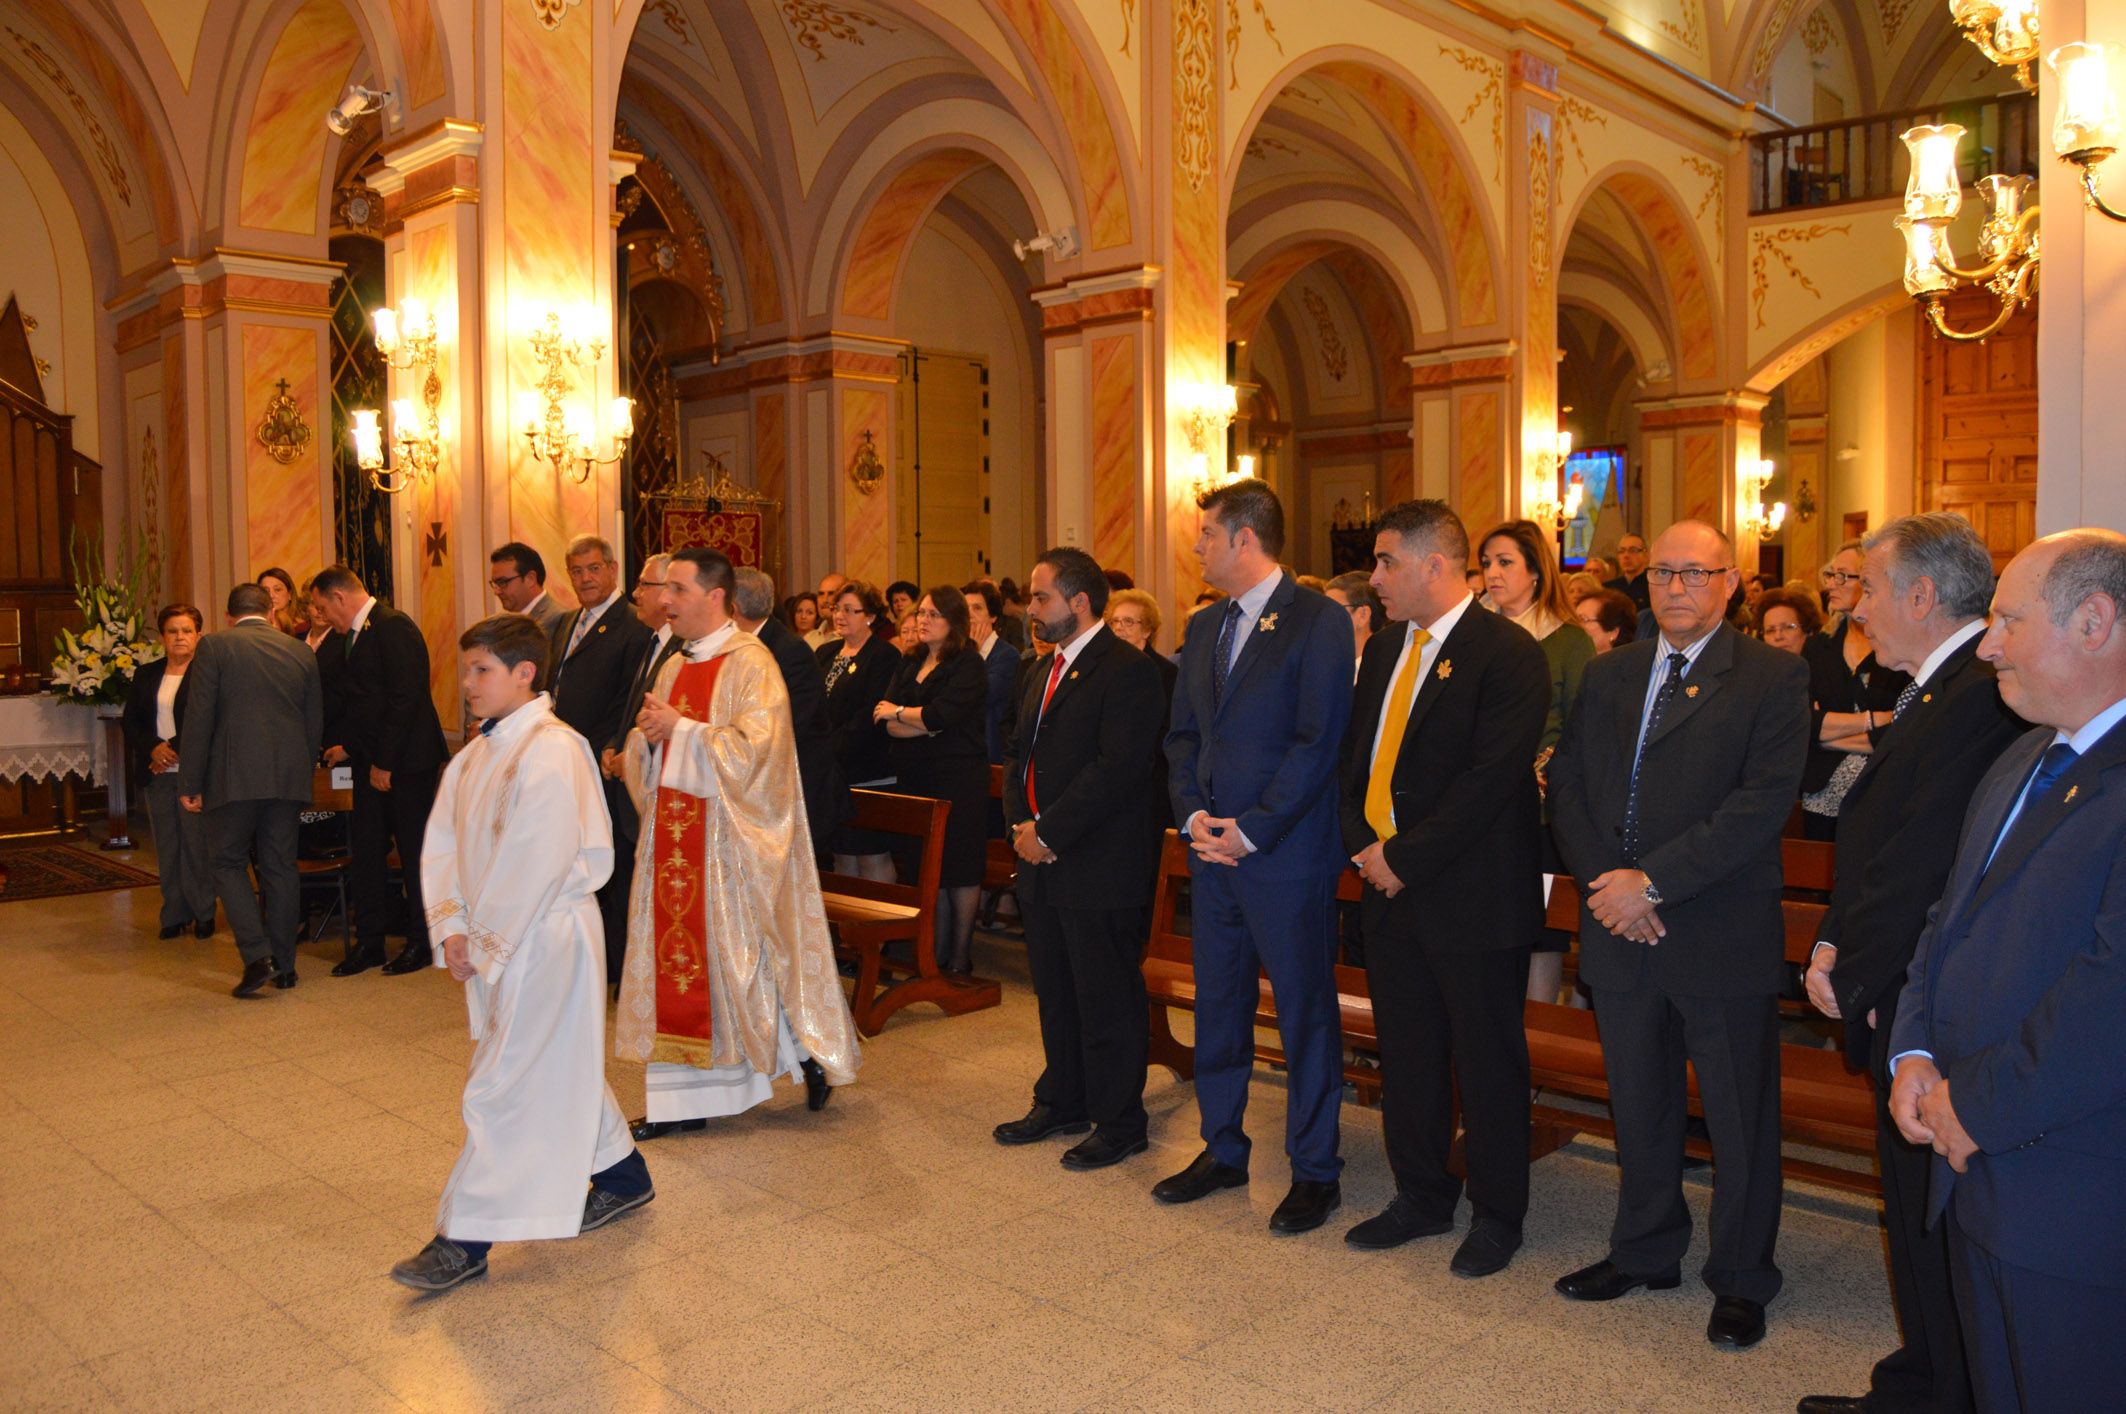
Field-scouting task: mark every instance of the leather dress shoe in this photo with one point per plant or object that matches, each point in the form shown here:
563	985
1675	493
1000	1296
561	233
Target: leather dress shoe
817	1092
1307	1206
1201	1178
1037	1124
1489	1246
1394	1225
411	958
170	932
284	980
1830	1403
645	1130
364	957
1606	1281
256	975
1737	1323
1102	1150
204	928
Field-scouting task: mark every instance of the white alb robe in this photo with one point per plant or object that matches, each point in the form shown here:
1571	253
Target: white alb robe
518	842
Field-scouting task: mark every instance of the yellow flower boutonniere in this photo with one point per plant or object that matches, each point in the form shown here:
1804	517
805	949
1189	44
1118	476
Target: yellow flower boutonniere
1445	669
1691	691
1266	624
2072	792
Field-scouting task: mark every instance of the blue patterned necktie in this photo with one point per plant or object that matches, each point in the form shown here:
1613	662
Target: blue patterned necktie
1677	666
1222	654
2057	758
1904	700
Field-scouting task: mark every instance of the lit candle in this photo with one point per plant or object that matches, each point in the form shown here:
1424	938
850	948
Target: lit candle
414	316
1564	446
1933	191
620	417
2015	30
1244	465
404	423
1923	245
1228	401
2087	117
528	411
1777	518
579	431
387	330
368	440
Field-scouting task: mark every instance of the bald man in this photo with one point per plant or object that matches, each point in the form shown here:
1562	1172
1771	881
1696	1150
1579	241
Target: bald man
1679	764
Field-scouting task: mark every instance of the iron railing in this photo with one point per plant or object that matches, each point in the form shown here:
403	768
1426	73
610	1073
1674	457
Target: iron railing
1864	159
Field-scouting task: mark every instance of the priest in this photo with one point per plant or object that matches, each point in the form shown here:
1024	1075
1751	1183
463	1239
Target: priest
730	979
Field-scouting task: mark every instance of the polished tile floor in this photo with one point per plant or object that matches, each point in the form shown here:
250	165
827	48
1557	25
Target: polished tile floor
202	1198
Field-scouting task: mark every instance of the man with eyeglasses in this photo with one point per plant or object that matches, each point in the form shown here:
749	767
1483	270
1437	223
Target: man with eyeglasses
517	574
1631	572
1678	767
651	649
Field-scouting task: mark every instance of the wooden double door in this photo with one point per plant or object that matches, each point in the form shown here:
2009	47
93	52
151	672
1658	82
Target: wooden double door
1978	426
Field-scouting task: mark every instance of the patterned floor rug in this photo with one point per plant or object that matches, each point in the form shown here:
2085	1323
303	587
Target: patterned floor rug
50	870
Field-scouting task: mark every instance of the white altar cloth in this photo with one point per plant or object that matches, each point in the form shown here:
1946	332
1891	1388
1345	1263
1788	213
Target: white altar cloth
42	736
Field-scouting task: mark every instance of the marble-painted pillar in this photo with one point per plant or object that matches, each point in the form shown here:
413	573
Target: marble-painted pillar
1099	346
1534	255
1463	436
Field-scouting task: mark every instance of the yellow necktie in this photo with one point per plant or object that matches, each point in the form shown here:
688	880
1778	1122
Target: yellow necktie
1380	794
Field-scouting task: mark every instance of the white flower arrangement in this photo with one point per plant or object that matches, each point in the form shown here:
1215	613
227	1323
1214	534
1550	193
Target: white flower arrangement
96	665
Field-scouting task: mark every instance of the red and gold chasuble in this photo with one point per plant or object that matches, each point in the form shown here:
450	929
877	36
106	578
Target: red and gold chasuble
683	1022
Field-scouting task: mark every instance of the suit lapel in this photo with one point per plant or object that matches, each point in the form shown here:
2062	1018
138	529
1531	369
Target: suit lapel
1086	663
1699	684
2073	791
1632	705
1252	649
1986	820
1915	716
1433	685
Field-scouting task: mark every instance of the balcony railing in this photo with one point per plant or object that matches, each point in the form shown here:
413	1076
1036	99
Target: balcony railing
1864	159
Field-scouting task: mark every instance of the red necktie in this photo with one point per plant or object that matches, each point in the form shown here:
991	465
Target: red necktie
1055	675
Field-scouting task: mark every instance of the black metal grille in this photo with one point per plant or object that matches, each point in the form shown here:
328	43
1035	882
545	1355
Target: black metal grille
361	515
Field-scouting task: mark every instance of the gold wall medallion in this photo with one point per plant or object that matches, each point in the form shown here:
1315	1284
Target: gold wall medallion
282	431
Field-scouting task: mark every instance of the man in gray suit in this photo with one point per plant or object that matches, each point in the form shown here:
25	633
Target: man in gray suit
517	575
252	733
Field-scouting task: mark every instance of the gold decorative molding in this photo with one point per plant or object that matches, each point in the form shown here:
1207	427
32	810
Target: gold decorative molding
1767	245
1195	85
1893	14
1571	113
813	20
1817	33
1129	22
1334	356
1769	41
151	507
1232	36
1539	213
1491	91
1691	33
1716	182
282	431
551	12
106	152
675	20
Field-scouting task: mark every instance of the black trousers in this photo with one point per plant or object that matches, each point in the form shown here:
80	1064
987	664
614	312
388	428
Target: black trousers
237	833
1095	1027
1647	1035
1448	1018
1926	1373
613	895
383	818
2037	1342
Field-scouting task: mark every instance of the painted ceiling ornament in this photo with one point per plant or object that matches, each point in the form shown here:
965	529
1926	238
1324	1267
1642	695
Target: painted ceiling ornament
1334	356
1195	86
1766	245
114	167
1232	36
151	505
282	431
551	12
1490	91
813	20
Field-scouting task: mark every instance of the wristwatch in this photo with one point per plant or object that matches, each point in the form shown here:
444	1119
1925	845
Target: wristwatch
1653	895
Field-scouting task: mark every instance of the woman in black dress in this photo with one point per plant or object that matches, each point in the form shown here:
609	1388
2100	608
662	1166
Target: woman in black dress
859	666
1852	698
936	714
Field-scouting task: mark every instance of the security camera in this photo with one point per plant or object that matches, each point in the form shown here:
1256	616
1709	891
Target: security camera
358	101
1062	243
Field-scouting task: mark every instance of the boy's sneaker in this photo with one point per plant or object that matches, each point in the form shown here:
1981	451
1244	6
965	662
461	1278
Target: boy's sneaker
602	1207
441	1265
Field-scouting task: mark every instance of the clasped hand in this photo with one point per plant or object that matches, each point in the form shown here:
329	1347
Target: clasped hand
1026	844
1619	903
1217	841
656	720
1372	862
1919	1103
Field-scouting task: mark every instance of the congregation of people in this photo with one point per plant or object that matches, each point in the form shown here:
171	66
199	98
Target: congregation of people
653	780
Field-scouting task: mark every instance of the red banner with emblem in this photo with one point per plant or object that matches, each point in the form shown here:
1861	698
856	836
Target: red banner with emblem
679	901
739	534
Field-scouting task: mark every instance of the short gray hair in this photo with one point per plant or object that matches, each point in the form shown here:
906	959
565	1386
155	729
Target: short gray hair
2094	562
1943	547
584	544
658	561
752	593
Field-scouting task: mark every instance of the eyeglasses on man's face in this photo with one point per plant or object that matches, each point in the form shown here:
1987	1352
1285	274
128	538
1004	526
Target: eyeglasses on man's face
1839	579
498	585
1693	577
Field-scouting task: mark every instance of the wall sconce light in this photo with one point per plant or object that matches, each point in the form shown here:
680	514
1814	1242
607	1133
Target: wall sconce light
1205	414
866	470
406	340
2005	31
1548	504
2085	127
1762	522
556	431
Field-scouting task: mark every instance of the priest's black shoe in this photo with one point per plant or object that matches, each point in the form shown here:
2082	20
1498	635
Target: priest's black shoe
204	928
412	958
1830	1404
1737	1323
645	1130
364	957
1038	1123
1307	1206
817	1092
1102	1150
1394	1225
1489	1246
256	975
1205	1176
170	932
439	1266
1606	1281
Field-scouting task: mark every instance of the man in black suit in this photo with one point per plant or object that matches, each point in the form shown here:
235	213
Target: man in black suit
2008	1054
1924	584
1440	813
1680	762
252	722
1631	567
517	574
819	773
389	734
1076	769
656	645
594	650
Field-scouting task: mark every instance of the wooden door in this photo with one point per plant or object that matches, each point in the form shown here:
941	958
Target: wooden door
942	519
1978	426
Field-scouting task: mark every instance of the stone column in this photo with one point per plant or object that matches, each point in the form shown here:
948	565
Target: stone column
1464	438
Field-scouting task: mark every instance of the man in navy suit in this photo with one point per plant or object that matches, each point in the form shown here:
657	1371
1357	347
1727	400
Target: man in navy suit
2008	1052
1258	721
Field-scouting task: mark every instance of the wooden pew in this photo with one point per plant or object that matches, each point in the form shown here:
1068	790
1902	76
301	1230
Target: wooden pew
1000	865
1821	1102
867	914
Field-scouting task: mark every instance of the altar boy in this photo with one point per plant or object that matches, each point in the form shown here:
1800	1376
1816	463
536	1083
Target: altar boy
517	845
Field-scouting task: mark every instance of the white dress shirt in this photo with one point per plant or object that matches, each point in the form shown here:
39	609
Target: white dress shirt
1439	628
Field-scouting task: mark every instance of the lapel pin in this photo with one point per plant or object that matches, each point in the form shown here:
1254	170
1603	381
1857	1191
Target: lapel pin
1445	670
1074	674
2072	792
1926	697
1266	624
600	629
1691	691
